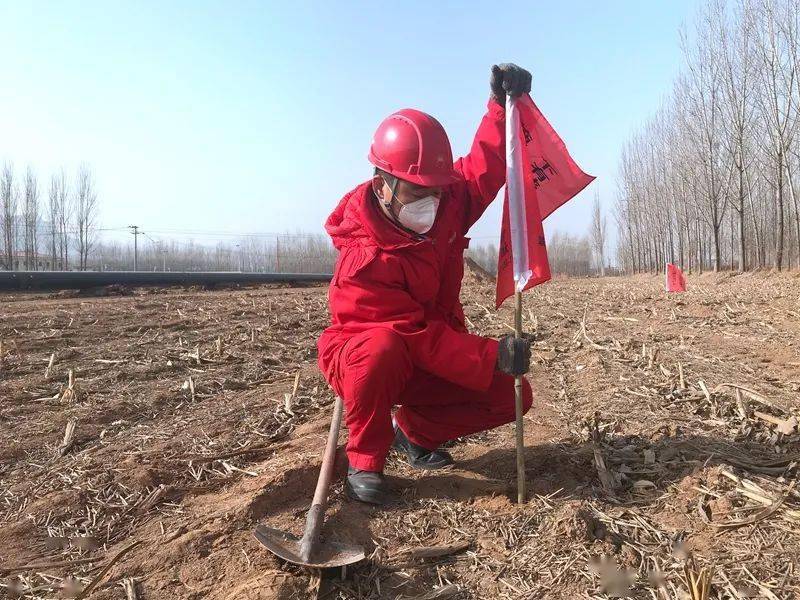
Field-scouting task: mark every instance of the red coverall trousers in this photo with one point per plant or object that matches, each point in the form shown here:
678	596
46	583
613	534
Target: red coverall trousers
375	373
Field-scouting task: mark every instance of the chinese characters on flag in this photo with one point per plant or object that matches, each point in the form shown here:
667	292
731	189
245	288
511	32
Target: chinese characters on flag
540	177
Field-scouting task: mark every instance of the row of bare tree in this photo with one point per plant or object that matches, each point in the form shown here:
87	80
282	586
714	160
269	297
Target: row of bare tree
301	253
298	253
31	235
568	254
712	181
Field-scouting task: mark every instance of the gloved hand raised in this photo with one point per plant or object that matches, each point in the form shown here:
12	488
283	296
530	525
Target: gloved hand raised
508	78
514	355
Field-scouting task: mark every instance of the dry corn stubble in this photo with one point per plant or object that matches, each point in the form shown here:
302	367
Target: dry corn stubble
698	485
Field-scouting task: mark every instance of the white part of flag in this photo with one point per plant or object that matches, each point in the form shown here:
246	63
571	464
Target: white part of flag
515	182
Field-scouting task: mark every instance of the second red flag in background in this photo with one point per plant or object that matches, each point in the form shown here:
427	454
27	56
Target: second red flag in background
675	280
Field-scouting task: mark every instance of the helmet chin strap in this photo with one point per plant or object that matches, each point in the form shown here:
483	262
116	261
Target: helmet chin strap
388	205
393	187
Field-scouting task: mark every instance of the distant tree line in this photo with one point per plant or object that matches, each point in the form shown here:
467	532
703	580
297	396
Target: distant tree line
286	253
55	227
303	253
712	181
568	254
47	228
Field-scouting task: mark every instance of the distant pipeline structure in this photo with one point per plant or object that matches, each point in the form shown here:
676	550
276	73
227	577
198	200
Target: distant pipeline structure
15	281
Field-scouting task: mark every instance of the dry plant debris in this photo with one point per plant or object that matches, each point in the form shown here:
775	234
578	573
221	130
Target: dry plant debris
143	436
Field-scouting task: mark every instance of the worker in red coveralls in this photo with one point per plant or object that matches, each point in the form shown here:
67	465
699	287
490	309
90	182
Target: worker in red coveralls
397	335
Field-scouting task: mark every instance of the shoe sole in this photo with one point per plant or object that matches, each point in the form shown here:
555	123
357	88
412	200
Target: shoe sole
427	467
422	467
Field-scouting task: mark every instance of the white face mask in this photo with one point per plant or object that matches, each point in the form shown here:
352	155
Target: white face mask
420	215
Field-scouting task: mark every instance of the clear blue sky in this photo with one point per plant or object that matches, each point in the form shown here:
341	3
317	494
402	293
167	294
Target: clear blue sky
257	116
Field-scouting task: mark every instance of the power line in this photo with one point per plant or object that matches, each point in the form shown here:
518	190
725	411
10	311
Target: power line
161	247
240	234
212	233
236	233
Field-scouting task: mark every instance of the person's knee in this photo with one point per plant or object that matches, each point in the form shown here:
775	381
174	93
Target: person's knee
380	363
388	351
503	398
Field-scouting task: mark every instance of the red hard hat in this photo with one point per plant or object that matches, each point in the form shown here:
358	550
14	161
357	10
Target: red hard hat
413	146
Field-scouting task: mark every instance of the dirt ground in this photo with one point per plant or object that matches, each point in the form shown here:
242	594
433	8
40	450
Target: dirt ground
197	414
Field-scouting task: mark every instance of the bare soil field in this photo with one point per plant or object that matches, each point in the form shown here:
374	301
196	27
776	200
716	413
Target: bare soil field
144	435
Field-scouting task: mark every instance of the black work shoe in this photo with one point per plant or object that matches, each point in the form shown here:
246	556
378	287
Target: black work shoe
366	486
419	457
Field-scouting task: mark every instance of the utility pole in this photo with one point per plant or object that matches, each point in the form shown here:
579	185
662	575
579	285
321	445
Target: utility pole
163	257
277	254
136	233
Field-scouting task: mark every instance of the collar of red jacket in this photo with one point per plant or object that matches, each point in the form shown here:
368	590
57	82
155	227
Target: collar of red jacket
358	221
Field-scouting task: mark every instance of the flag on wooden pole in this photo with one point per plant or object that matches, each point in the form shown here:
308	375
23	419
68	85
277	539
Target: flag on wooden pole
540	177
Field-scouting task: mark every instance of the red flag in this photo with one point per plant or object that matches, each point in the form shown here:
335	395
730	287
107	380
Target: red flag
676	282
550	178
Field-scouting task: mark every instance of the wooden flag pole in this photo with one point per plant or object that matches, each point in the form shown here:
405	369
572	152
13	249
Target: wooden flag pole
518	408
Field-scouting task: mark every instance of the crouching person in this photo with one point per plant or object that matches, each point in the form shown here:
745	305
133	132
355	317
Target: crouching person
397	336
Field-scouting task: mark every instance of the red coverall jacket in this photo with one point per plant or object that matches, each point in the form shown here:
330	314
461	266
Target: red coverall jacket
387	277
410	284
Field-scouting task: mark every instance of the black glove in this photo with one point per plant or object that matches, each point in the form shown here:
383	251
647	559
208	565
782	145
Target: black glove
511	79
514	355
